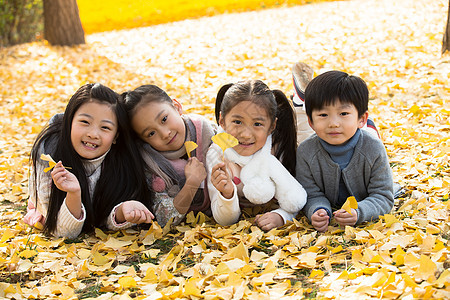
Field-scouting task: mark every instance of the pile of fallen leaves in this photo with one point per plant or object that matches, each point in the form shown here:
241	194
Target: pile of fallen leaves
394	46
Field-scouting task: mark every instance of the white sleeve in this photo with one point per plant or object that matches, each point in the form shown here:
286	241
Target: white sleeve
67	225
287	216
40	188
225	211
111	223
70	227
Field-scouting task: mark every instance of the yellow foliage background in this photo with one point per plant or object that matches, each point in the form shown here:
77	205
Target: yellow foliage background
97	16
394	46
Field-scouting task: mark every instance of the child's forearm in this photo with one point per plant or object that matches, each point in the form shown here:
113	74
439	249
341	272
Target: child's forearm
120	218
73	202
285	215
67	225
225	211
183	200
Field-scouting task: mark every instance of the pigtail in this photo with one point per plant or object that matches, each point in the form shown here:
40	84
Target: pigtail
123	97
285	133
219	99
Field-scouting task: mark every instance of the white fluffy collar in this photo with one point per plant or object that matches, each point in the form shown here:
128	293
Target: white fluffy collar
241	160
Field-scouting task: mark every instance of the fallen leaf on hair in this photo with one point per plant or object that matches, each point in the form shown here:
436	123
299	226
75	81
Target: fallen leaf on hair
349	204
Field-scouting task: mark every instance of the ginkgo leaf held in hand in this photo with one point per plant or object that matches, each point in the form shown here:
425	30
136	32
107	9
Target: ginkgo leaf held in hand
51	162
349	204
225	140
190	146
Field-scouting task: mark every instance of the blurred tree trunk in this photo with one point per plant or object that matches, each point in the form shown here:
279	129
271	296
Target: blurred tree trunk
62	25
446	40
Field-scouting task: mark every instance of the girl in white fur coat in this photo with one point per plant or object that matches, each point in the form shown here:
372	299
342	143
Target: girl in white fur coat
249	175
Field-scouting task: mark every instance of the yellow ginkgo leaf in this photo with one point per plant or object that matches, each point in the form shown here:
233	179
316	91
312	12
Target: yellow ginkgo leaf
39	225
390	219
9	289
240	252
7	234
349	204
165	276
224	140
190	288
190	146
150	276
51	162
98	259
317	274
127	282
28	253
427	268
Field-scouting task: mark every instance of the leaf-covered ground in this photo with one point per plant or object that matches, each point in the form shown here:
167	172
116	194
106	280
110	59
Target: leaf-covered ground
394	45
99	16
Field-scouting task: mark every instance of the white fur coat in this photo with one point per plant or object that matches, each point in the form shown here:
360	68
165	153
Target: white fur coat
264	178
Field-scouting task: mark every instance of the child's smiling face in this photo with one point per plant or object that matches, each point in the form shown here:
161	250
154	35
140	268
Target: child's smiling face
249	124
94	129
337	123
160	125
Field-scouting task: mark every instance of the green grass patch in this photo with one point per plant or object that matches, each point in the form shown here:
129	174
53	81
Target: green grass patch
91	290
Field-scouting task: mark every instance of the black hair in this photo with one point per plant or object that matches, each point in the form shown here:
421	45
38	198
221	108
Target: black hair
142	95
132	101
156	164
278	108
333	86
122	176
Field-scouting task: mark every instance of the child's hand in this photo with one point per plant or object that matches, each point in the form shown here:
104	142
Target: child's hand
269	220
222	180
343	218
64	180
133	212
320	220
195	172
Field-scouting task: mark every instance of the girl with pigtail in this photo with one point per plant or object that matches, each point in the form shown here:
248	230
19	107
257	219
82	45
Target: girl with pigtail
259	171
